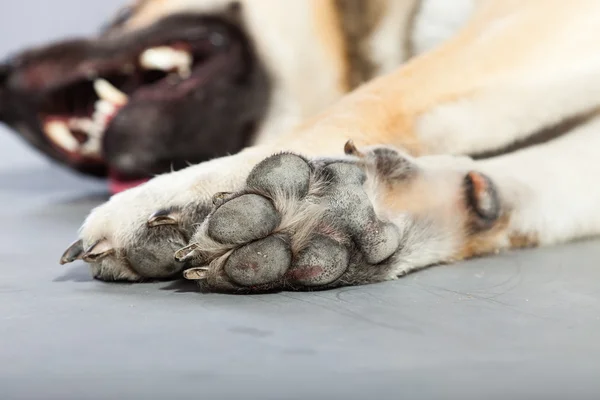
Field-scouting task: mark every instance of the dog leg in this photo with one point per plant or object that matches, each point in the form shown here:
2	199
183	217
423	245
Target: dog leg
516	69
423	108
379	214
319	223
550	191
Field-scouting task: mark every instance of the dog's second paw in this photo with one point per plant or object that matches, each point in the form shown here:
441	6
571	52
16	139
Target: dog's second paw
297	224
134	236
135	247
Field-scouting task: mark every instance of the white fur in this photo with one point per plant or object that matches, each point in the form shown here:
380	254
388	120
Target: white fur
552	188
122	217
286	44
558	78
388	42
438	20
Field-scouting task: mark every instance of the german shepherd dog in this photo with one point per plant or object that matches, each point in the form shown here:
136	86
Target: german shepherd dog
369	138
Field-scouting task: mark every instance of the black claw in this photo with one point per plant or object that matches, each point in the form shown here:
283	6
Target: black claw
74	252
163	217
351	149
98	251
219	198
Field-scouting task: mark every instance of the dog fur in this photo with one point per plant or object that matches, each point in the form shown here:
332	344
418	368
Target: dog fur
494	115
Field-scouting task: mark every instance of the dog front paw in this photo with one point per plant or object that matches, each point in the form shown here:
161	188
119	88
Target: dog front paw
296	224
372	216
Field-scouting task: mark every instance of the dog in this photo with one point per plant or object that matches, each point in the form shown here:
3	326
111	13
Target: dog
172	83
484	140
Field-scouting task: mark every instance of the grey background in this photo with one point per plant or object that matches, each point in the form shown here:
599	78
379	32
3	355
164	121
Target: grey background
524	325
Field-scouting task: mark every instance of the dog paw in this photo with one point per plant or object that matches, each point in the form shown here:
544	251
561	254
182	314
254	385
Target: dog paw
134	235
296	224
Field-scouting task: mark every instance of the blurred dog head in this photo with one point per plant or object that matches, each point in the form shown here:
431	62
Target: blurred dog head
173	82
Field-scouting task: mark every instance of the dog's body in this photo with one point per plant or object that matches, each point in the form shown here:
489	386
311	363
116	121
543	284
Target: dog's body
257	70
514	87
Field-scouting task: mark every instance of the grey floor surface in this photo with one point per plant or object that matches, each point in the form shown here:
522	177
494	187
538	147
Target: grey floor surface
524	325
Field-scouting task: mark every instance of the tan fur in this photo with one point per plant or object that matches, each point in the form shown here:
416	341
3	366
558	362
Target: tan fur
357	20
523	241
386	109
482	243
513	69
328	23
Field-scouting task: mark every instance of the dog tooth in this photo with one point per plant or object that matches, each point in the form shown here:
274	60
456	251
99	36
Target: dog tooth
82	124
96	131
105	108
60	134
98	126
106	91
165	58
104	111
91	147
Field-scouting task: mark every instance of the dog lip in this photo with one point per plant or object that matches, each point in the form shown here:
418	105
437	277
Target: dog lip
52	70
60	133
166	90
117	186
38	71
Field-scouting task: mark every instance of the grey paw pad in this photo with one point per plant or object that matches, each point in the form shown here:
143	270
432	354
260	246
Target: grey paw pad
287	173
378	241
155	258
258	263
321	263
346	173
243	219
352	210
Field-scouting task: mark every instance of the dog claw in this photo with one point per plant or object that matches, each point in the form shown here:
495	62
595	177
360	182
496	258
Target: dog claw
351	149
219	198
74	252
98	251
186	253
163	217
196	274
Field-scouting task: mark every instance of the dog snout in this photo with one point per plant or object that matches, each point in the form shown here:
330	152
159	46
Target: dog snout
6	69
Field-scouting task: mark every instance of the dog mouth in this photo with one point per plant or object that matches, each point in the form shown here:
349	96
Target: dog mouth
75	116
139	104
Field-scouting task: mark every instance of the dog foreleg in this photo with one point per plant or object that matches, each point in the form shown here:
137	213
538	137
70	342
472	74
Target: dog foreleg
515	69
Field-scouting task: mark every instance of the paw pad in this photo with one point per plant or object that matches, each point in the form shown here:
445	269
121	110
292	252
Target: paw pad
243	219
283	173
321	263
265	237
260	262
